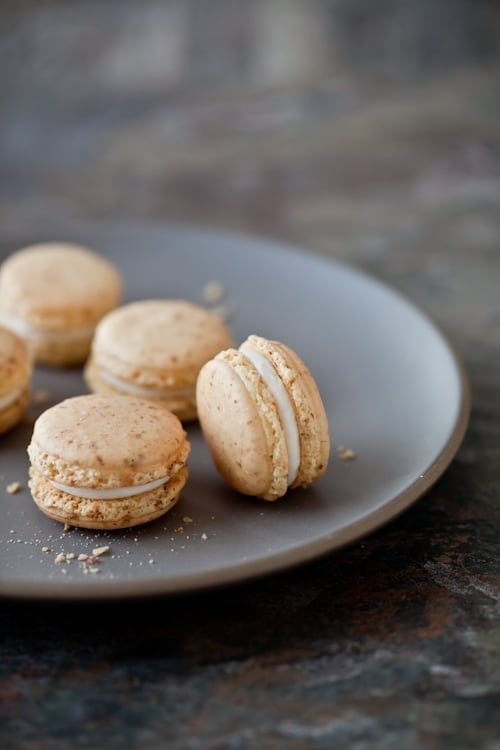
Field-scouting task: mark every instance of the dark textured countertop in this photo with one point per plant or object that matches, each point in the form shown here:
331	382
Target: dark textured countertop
368	135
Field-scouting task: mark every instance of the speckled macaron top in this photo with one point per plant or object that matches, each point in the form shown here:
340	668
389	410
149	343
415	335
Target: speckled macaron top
263	418
53	294
155	348
57	285
98	441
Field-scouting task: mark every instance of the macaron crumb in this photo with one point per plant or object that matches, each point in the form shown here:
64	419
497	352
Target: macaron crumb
40	397
89	563
213	292
346	454
98	551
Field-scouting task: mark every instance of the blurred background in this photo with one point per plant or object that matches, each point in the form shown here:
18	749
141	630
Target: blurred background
365	130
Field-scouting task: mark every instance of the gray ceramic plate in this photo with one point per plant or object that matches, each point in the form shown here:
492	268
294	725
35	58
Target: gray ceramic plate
394	391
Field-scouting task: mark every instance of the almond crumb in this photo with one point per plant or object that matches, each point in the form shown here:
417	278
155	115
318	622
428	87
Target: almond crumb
13	487
98	551
45	549
60	558
70	556
204	537
213	292
187	519
347	454
40	397
82	556
179	529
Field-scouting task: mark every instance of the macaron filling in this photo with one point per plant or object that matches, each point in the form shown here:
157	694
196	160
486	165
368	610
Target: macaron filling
285	408
19	326
138	390
9	398
112	493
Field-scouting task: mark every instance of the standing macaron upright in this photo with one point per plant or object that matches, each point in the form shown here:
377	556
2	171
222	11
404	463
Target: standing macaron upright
107	462
154	349
263	418
16	366
53	295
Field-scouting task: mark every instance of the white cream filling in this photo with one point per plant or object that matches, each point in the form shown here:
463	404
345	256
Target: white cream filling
19	326
285	408
139	390
9	398
114	493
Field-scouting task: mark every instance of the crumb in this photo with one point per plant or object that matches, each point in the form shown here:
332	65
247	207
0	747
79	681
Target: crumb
70	556
213	292
13	487
187	519
45	549
40	397
179	529
82	556
61	557
93	570
204	537
97	551
67	527
346	454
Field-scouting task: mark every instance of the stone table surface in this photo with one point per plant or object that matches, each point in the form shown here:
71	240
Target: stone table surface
372	136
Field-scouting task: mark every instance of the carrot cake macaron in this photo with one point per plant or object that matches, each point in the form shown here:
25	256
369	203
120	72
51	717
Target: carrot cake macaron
107	462
16	366
53	294
263	418
154	349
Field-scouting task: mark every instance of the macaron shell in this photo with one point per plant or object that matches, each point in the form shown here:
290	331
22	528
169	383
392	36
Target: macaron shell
241	426
12	414
67	353
184	408
16	366
159	343
75	442
56	286
106	514
312	420
16	363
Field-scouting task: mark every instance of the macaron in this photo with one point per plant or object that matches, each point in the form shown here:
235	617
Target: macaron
107	462
16	366
263	418
53	294
154	349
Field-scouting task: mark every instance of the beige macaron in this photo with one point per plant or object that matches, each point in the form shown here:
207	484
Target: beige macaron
263	418
16	366
53	294
107	462
154	349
